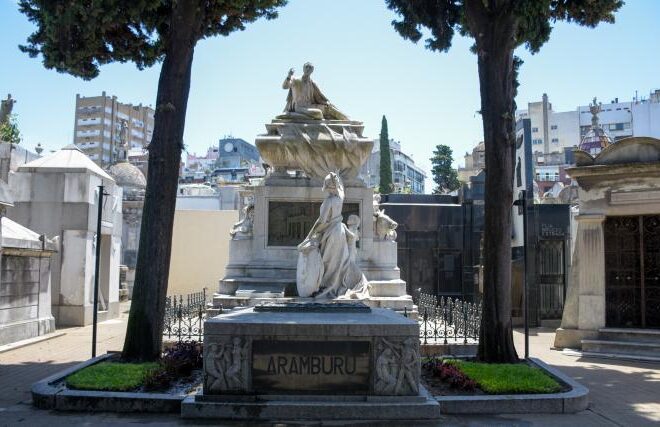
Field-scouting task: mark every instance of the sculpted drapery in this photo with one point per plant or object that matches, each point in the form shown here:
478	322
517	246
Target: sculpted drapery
327	265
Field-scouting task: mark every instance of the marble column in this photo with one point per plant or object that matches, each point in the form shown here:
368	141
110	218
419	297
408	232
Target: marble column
584	308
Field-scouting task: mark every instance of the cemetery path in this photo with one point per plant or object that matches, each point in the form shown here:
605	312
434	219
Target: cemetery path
622	393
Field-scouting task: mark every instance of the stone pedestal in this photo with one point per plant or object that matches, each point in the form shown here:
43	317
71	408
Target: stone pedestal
311	361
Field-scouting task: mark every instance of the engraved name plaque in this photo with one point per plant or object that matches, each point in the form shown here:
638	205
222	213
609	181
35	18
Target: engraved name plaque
289	222
318	367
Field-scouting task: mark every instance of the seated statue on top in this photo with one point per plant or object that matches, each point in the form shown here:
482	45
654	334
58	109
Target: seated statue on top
305	100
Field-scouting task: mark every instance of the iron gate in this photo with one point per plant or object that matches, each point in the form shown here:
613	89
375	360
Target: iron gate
632	271
550	265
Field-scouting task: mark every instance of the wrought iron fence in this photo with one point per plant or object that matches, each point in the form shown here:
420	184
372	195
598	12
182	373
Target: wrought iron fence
185	316
447	320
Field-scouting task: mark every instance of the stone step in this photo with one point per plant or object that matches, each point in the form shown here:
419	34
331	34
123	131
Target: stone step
280	272
387	288
231	301
257	286
264	271
402	304
623	348
627	334
395	303
575	353
333	409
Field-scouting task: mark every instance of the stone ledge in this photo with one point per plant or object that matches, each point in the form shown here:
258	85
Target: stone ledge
49	393
29	341
320	408
574	400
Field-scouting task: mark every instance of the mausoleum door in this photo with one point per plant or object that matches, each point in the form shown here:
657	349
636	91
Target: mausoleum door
550	278
632	271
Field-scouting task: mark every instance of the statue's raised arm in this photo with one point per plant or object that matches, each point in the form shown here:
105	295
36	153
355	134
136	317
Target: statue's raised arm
305	100
287	81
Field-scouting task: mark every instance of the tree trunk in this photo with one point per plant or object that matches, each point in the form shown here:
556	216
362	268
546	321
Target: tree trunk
144	332
495	44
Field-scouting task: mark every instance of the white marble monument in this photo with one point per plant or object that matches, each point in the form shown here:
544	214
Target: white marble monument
312	228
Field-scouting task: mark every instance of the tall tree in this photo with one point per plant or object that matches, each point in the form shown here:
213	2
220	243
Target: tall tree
444	175
385	160
77	37
498	27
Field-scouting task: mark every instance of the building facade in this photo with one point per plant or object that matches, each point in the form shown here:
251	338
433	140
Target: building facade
406	175
473	163
102	121
552	131
237	160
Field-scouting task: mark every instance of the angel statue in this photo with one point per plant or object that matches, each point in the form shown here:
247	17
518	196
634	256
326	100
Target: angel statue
327	262
305	100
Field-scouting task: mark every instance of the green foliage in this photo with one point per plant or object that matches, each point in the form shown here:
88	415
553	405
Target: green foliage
9	131
533	18
444	175
508	378
111	376
77	37
386	185
498	28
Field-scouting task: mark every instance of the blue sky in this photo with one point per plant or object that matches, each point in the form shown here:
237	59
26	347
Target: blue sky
362	66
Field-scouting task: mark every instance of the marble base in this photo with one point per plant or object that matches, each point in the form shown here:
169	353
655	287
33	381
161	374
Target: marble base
313	408
23	330
572	338
258	270
312	350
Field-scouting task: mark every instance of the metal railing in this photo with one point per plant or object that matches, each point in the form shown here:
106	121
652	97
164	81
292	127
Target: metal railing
184	317
448	320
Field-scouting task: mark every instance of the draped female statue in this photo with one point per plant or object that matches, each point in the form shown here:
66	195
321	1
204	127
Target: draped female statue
327	263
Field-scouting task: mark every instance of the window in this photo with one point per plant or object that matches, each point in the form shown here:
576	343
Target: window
616	126
537	141
555	140
553	127
535	129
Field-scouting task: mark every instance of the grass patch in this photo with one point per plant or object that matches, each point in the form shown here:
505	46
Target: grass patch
503	378
110	376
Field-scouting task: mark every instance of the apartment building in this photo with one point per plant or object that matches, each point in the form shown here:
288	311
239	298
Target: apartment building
406	175
101	122
552	131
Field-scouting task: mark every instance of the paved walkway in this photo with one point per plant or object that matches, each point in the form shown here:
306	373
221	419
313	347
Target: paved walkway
622	393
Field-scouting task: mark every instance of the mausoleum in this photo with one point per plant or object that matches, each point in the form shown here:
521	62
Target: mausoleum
25	294
613	298
133	185
57	195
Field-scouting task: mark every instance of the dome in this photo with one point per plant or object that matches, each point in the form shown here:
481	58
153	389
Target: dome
594	141
127	176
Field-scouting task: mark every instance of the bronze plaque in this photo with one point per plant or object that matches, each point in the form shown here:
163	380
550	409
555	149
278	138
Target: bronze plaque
290	222
319	367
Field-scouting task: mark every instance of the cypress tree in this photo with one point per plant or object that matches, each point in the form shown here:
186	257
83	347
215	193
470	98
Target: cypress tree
385	160
498	28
